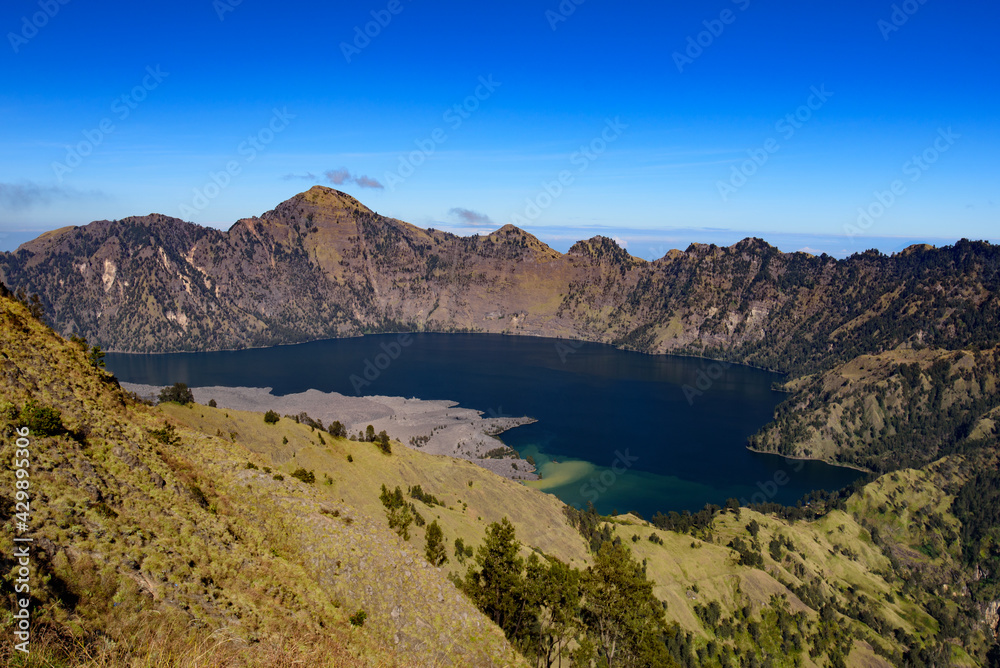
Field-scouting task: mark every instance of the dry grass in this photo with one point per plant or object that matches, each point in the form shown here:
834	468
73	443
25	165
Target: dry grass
163	554
156	640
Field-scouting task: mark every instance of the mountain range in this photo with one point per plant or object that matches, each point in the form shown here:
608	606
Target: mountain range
322	265
167	534
188	535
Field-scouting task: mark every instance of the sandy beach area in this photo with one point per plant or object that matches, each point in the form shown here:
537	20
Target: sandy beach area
438	426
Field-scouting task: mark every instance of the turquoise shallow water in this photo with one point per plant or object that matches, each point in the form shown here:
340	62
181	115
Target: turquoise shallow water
623	430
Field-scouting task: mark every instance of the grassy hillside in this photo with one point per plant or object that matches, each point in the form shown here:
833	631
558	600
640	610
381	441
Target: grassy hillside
160	547
854	594
881	412
471	495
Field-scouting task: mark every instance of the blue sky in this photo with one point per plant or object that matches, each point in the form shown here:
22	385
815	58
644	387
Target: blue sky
652	123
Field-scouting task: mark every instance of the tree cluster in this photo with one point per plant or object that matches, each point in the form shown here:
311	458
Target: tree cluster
178	393
550	611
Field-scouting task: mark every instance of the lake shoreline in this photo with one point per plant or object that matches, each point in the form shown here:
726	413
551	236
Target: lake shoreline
802	458
624	349
590	402
434	426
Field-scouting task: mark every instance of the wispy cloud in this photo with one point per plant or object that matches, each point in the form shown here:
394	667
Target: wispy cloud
367	182
308	176
472	218
339	177
26	195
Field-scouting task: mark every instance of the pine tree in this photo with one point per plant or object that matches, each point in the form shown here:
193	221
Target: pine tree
558	593
435	550
495	582
620	611
397	511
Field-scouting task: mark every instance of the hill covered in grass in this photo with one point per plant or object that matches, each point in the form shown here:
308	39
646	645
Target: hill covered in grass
189	535
882	412
154	544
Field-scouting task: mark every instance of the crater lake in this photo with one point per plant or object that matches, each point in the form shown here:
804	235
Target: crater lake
626	431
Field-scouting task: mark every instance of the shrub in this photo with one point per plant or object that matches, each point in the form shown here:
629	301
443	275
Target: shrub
167	435
350	458
104	510
178	393
358	618
417	492
41	420
775	549
279	477
96	358
397	511
305	476
198	495
303	418
212	404
499	453
271	417
251	465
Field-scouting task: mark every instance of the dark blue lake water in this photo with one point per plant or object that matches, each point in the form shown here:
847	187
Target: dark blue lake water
624	430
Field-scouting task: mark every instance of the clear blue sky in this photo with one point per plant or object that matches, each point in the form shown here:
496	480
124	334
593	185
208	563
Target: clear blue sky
679	119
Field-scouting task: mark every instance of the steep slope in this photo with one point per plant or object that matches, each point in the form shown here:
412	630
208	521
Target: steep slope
319	265
158	546
881	412
468	494
844	581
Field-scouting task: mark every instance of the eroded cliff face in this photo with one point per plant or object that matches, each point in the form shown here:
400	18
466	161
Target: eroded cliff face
323	265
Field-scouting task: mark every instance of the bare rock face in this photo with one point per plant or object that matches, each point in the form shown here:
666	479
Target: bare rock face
991	615
322	265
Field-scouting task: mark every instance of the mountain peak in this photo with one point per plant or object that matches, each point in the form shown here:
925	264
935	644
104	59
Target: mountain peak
512	231
319	206
752	243
329	199
527	244
600	247
322	195
916	248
